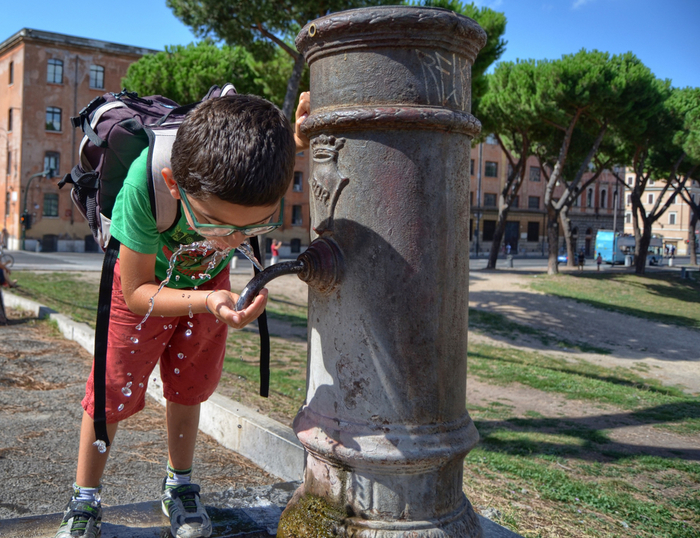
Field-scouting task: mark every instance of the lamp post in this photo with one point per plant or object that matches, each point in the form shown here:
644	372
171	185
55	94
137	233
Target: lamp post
48	173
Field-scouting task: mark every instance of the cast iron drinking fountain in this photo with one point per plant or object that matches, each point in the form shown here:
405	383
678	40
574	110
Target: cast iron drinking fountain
384	423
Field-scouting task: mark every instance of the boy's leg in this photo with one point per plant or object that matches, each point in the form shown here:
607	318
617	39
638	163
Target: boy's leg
183	423
91	462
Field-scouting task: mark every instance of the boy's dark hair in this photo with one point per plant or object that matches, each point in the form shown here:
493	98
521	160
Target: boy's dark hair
239	148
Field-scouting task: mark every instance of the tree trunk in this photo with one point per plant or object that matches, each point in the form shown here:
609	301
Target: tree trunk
566	231
642	244
498	237
553	239
293	88
691	240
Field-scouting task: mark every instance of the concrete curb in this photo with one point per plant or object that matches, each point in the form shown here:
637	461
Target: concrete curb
267	443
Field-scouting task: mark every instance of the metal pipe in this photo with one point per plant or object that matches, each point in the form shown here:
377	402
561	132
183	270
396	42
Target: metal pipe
263	277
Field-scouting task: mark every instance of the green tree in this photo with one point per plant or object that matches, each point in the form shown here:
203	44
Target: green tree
508	111
185	73
260	26
667	150
582	97
494	24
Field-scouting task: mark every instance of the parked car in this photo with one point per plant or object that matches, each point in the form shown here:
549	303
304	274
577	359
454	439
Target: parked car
562	258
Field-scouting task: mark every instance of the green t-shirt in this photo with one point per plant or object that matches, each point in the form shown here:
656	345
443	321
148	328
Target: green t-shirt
134	226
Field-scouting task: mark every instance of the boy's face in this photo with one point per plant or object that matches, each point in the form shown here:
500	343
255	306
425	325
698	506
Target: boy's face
215	211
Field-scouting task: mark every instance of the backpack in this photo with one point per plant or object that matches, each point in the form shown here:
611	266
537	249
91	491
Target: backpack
118	127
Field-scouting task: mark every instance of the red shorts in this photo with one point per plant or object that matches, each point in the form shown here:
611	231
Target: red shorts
190	364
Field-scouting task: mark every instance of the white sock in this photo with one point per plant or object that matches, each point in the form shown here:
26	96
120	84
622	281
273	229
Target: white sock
177	477
90	495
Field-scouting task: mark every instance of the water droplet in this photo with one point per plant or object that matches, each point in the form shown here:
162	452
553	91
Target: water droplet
101	446
134	340
190	312
133	352
190	324
170	326
126	392
129	375
188	332
177	277
165	327
121	407
177	370
129	383
140	385
180	355
181	436
217	321
138	327
154	379
195	288
183	295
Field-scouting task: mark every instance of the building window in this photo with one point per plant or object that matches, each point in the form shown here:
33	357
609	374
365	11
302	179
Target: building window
471	167
533	202
515	203
298	185
489	199
630	180
491	169
53	118
489	229
97	77
589	198
12	73
673	199
650	198
603	195
9	162
471	198
295	246
672	218
534	173
8	197
54	73
50	205
533	231
52	160
628	218
296	215
629	199
9	120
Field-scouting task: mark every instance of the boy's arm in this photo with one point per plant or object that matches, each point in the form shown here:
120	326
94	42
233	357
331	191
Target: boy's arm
139	285
303	109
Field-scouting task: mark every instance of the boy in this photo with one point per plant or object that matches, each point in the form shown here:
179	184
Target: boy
232	161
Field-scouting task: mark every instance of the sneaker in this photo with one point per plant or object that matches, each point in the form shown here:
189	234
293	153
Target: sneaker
81	519
188	518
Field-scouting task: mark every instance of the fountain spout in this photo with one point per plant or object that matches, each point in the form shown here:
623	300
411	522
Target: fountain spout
320	266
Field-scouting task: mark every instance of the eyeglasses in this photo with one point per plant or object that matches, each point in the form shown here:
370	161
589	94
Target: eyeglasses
223	230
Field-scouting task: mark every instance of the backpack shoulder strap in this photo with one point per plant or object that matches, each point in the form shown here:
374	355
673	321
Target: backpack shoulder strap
163	205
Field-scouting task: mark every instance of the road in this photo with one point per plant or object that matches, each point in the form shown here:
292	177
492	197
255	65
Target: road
92	261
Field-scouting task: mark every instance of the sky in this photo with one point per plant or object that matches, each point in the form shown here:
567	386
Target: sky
663	35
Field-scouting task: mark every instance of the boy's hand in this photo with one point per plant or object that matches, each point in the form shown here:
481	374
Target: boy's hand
222	304
303	110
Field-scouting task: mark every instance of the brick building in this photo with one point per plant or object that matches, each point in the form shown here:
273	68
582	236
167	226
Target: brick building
45	78
674	225
527	219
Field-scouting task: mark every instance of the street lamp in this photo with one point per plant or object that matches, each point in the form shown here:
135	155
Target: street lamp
48	173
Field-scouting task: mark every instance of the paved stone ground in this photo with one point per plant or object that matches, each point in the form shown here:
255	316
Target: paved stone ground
42	379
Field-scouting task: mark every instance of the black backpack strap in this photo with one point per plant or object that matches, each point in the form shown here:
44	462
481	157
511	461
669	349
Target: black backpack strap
101	335
264	334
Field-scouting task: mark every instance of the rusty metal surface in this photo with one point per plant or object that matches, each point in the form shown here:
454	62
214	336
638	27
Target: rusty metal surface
384	423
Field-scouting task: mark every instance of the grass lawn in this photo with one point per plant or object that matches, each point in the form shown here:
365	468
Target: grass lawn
658	296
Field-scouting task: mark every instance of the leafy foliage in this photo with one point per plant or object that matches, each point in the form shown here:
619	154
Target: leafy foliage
185	73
